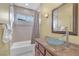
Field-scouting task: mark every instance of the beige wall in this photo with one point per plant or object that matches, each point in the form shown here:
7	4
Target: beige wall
4	15
45	28
4	9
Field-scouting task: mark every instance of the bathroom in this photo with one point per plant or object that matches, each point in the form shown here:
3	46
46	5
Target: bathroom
29	29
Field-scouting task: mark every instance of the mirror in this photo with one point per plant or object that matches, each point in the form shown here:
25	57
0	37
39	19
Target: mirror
65	16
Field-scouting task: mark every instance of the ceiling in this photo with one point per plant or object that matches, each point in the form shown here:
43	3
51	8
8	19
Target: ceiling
33	6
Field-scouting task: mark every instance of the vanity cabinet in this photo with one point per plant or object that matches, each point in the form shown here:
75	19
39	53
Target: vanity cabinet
40	50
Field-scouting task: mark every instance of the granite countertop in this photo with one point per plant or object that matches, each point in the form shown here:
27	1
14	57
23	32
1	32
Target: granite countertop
72	50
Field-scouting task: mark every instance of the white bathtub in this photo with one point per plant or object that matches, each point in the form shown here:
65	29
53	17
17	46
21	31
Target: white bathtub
24	48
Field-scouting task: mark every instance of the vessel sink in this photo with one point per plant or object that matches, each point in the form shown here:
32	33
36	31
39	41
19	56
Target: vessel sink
55	42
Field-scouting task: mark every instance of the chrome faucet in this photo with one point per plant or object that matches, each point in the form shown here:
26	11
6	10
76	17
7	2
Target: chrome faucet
67	36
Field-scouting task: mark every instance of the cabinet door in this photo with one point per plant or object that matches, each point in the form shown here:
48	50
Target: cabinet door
41	54
42	49
48	54
37	53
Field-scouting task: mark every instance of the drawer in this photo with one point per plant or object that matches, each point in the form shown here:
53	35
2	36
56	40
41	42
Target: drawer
42	49
48	54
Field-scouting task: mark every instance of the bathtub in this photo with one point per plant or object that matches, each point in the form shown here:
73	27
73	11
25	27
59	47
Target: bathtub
24	48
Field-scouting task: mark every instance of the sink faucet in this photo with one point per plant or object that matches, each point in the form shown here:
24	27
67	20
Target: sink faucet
67	36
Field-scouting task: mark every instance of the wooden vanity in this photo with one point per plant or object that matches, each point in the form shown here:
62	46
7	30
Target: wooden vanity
42	48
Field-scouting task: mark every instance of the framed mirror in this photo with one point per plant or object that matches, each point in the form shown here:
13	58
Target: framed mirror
66	15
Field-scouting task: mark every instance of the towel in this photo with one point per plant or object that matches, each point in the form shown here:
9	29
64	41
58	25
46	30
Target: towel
7	36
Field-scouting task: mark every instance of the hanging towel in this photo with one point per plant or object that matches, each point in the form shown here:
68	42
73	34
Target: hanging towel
7	34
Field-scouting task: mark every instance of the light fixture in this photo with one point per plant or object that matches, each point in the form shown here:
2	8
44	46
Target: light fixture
46	15
26	4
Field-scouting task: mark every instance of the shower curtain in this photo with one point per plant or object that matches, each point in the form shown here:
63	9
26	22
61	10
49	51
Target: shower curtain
35	32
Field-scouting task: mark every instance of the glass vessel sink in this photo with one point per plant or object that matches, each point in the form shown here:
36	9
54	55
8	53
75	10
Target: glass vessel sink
55	42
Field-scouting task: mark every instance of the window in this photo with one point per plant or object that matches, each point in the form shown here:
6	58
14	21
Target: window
24	18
